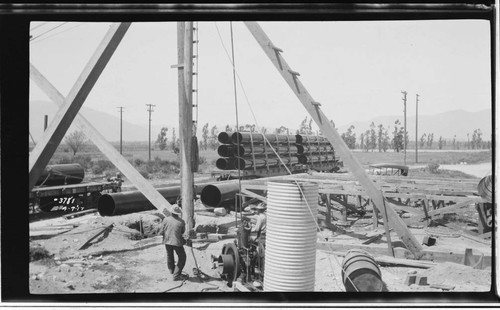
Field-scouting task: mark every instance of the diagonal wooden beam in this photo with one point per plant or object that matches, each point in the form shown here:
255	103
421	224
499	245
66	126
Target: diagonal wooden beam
292	79
47	145
104	146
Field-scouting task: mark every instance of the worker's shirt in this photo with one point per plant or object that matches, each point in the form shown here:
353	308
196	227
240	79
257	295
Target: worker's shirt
260	225
172	229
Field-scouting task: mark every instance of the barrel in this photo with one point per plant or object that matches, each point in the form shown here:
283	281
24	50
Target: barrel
485	188
360	272
291	239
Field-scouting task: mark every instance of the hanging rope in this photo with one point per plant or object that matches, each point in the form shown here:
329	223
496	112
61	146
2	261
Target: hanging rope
235	73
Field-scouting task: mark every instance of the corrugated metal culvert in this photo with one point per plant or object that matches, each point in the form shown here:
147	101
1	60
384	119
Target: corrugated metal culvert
291	236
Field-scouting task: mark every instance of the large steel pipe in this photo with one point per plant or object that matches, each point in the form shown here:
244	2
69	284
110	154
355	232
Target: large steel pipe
320	158
261	162
311	139
312	148
230	150
247	137
217	195
246	150
227	163
224	137
61	174
226	150
135	201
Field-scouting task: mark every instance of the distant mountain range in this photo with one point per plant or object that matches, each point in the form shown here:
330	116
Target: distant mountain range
108	125
447	124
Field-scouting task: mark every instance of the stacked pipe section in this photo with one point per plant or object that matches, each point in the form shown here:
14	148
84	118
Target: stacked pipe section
248	150
318	152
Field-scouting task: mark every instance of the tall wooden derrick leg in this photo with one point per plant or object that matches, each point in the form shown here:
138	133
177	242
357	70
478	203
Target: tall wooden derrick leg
314	110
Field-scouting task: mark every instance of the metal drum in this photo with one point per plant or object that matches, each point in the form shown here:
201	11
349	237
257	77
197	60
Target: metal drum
360	272
291	236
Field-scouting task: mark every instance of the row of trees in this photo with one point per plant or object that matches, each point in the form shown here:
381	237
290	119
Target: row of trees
377	137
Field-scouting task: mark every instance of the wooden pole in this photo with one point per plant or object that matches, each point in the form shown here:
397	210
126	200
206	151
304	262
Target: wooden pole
45	148
150	109
416	132
121	129
328	129
185	76
404	137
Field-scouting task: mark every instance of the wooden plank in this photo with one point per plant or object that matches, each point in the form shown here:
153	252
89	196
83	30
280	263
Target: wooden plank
450	209
254	195
381	249
46	146
392	261
334	138
458	228
104	146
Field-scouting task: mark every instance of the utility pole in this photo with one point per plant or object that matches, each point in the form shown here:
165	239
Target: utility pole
404	137
121	136
45	122
185	77
416	133
150	109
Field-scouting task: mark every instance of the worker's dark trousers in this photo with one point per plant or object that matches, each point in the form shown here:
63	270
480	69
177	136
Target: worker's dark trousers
181	255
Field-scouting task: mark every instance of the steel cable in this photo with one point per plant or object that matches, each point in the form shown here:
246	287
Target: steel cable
48	31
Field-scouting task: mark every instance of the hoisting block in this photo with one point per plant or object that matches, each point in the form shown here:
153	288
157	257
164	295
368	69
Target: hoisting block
275	48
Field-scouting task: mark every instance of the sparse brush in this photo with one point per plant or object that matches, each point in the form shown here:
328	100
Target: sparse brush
38	253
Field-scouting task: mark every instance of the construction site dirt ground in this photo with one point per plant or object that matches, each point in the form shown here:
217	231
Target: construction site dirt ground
119	261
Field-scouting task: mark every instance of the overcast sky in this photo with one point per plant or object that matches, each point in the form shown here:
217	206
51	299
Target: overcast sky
355	69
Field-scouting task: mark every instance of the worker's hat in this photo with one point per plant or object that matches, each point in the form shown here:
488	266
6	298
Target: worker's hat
176	210
261	206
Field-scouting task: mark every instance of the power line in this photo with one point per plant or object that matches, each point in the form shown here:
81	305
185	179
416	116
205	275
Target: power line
38	26
65	30
48	31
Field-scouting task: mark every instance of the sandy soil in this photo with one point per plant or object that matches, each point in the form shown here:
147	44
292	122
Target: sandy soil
115	262
477	170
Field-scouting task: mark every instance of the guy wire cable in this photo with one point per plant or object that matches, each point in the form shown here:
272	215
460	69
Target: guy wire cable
55	34
274	151
48	31
237	116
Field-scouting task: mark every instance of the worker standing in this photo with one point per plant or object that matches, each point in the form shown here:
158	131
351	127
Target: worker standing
172	228
260	225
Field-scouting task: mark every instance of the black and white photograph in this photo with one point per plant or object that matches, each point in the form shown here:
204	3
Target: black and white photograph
229	156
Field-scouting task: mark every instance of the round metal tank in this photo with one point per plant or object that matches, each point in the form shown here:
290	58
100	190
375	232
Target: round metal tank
360	272
485	188
291	236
